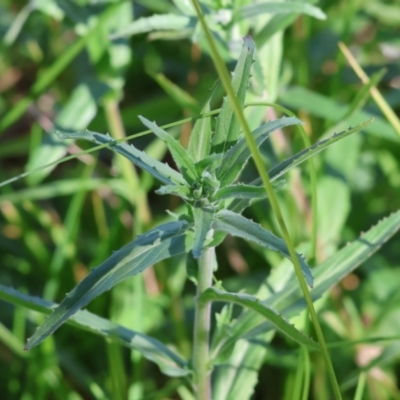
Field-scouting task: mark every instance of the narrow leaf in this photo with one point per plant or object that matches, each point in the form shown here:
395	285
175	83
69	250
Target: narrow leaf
227	127
160	171
180	191
288	164
277	320
289	300
237	156
203	218
209	163
183	160
160	243
156	23
152	349
184	99
277	171
237	225
241	191
287	7
200	137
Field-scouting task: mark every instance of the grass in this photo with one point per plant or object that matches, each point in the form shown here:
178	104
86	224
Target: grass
58	224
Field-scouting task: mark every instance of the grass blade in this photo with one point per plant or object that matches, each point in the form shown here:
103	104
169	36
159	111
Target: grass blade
286	7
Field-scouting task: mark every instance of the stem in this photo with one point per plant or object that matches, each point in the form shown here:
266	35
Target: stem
226	82
202	327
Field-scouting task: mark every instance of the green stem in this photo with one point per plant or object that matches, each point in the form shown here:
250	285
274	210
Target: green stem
117	373
202	327
225	80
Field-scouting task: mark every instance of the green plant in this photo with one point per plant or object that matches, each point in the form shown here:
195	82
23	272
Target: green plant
207	182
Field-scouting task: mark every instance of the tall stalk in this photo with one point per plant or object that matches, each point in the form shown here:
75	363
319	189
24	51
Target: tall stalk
202	327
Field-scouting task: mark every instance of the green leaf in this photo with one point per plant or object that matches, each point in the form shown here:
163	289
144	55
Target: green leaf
169	362
160	243
177	94
286	7
203	218
183	160
160	171
180	191
326	108
276	172
237	156
156	23
277	320
201	135
209	163
242	191
288	164
289	300
227	127
237	225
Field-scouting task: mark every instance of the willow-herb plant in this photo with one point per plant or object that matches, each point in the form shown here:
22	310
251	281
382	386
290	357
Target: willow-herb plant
208	181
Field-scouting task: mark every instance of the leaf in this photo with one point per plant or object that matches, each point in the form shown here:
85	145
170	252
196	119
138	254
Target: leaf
183	160
277	171
227	127
287	7
327	108
169	362
277	320
156	23
182	98
180	191
237	225
242	191
288	164
209	163
289	300
162	242
237	156
201	135
160	171
203	218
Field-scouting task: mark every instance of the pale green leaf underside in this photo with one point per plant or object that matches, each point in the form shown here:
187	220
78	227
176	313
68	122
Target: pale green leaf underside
289	301
203	218
170	363
286	165
227	127
201	135
162	242
237	225
287	7
183	160
240	191
283	167
237	156
160	171
209	163
180	191
156	23
277	320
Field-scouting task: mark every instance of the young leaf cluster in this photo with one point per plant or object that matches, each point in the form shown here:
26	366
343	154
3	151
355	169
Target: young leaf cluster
208	180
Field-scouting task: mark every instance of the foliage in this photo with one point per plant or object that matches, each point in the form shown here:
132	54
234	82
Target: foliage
56	227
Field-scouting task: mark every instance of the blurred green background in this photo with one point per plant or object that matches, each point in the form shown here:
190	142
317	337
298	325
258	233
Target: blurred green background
99	64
